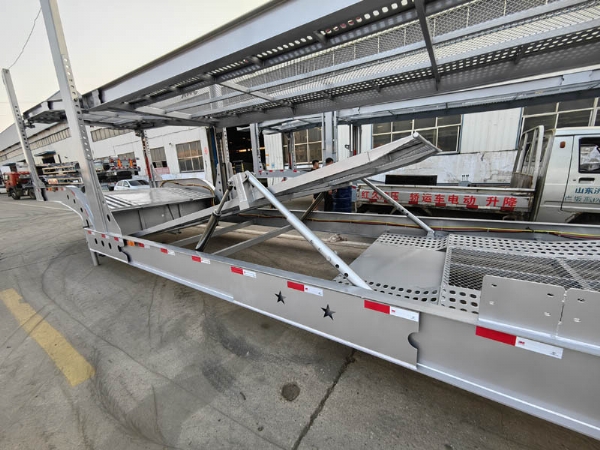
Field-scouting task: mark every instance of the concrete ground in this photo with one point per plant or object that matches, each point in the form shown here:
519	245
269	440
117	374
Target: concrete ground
112	357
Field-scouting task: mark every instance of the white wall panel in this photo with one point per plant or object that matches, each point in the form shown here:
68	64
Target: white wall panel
485	167
343	139
490	131
274	154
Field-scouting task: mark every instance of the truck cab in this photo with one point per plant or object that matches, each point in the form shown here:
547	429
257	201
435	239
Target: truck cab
568	185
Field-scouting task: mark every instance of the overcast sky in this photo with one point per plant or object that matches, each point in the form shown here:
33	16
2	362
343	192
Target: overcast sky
106	39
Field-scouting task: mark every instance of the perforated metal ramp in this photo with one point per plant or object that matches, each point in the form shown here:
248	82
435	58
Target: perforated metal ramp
449	271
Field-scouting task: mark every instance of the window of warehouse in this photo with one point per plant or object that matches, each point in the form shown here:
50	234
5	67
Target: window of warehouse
574	113
189	156
158	156
443	132
308	145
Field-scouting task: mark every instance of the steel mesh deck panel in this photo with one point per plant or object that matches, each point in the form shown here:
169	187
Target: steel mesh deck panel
573	264
468	259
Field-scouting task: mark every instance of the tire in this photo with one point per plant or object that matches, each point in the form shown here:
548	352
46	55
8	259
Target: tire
15	195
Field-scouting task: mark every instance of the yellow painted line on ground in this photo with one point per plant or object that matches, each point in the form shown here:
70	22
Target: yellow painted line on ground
73	366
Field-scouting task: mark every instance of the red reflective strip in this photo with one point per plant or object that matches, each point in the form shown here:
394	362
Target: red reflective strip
103	236
196	258
496	335
440	204
237	270
297	286
116	239
140	244
164	250
89	232
472	207
379	307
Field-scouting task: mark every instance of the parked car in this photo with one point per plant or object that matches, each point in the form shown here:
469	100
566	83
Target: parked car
124	185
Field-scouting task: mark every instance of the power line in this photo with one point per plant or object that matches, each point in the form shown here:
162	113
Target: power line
28	37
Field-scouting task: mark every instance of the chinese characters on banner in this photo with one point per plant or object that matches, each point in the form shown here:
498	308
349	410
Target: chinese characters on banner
499	202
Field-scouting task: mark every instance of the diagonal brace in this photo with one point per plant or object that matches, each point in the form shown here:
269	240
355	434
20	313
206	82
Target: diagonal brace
399	207
309	235
420	7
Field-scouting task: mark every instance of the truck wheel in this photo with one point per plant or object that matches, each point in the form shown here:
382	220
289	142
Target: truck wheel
15	195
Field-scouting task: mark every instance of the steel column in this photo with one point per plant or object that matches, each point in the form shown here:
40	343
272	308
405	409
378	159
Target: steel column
147	156
255	140
16	112
102	217
329	136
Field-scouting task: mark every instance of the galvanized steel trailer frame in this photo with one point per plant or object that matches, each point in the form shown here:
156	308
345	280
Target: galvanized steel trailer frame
509	319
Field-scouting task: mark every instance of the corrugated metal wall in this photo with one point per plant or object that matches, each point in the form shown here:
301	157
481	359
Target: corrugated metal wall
490	131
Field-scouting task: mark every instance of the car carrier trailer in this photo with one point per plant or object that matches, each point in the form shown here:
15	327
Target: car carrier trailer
507	310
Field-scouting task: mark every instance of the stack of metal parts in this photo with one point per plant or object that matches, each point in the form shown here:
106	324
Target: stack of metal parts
450	270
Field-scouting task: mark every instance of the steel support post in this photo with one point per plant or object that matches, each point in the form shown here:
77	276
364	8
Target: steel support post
291	145
224	170
311	237
147	156
399	207
329	136
355	136
20	124
102	217
257	163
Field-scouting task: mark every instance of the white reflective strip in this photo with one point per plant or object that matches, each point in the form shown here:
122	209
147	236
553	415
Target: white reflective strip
404	313
248	273
313	290
539	347
205	261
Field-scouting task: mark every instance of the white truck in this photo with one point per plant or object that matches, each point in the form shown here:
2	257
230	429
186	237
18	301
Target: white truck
556	178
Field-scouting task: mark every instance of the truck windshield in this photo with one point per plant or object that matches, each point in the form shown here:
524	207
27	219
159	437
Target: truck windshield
138	182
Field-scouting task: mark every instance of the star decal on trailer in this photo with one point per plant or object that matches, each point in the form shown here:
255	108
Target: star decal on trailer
328	312
280	297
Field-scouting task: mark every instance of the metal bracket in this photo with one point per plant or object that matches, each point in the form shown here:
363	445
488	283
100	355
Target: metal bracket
521	304
579	320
